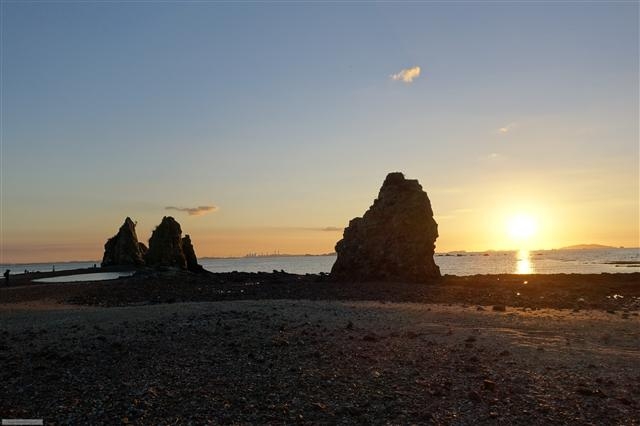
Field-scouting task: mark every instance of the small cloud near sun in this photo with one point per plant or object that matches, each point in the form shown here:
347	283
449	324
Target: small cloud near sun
407	75
194	211
506	129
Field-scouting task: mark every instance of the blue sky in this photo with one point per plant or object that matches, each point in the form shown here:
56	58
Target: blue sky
285	117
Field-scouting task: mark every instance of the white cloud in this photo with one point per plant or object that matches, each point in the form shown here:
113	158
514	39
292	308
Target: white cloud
406	75
506	129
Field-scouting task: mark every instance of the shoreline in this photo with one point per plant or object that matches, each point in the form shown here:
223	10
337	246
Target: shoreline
613	292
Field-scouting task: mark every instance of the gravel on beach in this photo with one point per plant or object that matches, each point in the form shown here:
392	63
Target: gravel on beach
144	350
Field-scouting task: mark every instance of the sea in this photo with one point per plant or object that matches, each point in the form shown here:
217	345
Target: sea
590	261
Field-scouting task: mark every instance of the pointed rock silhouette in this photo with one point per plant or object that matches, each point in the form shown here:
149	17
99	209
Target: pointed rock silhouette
165	245
190	255
123	249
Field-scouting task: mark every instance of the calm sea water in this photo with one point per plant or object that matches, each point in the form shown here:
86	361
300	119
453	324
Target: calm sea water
534	262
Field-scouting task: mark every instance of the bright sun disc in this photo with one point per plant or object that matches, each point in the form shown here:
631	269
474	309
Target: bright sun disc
521	227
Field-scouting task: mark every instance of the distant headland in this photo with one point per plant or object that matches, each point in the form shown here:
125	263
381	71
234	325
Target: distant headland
587	247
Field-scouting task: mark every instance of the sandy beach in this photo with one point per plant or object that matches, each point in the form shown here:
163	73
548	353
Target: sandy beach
315	361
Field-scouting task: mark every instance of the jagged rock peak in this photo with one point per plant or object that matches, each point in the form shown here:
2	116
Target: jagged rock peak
165	245
190	255
123	249
394	240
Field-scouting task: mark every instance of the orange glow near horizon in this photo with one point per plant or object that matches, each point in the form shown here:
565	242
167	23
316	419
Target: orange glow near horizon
518	226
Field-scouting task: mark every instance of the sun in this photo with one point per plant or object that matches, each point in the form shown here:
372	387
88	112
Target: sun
522	227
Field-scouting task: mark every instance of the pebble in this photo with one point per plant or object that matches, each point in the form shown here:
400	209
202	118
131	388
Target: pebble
489	385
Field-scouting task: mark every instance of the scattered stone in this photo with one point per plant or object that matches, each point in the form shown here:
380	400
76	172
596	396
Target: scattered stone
475	396
393	241
370	338
489	385
624	400
319	406
590	392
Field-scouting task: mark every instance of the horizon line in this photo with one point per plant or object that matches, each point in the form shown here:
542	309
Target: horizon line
247	256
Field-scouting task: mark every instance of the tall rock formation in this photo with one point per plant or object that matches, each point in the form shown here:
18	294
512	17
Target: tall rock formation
165	245
123	249
394	240
190	255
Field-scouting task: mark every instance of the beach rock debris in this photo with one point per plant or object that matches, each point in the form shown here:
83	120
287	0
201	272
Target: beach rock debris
123	249
167	247
394	240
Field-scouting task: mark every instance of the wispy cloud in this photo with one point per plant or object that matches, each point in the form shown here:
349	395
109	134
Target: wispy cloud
194	211
508	128
407	75
332	229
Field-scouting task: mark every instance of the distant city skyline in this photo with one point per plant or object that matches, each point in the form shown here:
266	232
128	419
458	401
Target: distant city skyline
268	126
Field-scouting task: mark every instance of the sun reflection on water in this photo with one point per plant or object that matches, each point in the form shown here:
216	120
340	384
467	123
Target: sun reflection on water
523	263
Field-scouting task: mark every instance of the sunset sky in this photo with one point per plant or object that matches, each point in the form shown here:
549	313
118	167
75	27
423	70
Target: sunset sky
282	120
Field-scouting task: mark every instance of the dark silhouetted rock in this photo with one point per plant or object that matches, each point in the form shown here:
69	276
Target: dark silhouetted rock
165	245
143	249
394	240
123	249
190	255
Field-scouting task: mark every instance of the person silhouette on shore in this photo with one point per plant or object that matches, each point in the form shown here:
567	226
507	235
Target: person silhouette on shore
6	276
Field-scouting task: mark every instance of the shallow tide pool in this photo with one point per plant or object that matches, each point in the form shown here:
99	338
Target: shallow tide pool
98	276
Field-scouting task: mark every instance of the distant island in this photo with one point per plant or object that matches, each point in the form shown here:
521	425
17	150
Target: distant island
587	247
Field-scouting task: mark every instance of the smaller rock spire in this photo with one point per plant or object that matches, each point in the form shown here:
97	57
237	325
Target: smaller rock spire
124	248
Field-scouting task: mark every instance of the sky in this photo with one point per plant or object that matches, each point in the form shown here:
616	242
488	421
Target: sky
281	120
